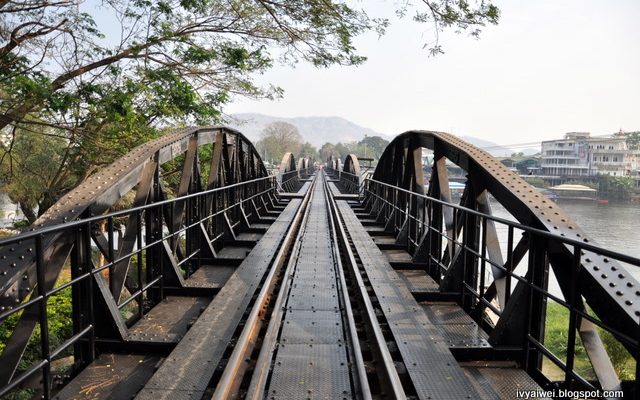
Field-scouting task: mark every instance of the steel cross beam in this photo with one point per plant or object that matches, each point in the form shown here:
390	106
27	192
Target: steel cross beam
234	160
610	293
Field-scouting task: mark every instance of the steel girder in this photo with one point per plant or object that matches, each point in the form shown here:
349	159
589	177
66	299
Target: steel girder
305	167
234	159
352	165
334	165
351	176
289	173
601	281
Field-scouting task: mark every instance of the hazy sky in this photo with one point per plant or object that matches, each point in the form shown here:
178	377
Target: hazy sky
549	67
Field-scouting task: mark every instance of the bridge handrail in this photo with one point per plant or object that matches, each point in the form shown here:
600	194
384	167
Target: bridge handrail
81	230
631	339
121	213
354	183
550	235
288	178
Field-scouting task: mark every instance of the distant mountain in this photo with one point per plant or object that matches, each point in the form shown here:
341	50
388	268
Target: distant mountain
316	130
320	130
495	149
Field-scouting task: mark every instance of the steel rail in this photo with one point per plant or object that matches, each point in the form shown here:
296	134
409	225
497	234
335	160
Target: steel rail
258	382
387	361
244	345
363	382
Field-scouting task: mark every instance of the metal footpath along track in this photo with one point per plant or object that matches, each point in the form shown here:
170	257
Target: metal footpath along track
342	324
319	337
314	311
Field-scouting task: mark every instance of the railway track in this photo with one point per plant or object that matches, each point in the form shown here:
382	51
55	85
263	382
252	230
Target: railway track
313	332
311	312
313	284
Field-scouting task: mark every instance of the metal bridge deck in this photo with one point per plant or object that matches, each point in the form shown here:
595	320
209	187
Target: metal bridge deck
426	356
249	285
186	373
311	359
312	354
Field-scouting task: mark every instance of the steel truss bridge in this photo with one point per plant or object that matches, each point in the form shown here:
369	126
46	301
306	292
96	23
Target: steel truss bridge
192	273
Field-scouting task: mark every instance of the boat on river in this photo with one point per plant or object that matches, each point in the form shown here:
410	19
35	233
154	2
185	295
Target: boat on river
568	191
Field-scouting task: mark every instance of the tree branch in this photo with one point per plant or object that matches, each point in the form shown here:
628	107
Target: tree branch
15	40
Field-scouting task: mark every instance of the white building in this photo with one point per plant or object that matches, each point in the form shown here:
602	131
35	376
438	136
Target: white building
580	155
566	157
611	156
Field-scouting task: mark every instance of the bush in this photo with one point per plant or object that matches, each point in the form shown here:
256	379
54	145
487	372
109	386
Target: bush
21	224
60	325
616	187
535	181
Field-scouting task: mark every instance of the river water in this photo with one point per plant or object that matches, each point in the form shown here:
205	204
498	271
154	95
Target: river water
614	226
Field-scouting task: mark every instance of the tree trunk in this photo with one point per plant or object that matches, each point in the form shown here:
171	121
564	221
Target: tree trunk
28	212
46	203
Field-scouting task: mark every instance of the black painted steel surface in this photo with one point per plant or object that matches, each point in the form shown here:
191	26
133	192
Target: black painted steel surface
437	309
311	358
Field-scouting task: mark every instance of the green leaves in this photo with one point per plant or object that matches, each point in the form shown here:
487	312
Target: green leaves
369	147
167	63
164	7
633	140
278	138
197	54
462	15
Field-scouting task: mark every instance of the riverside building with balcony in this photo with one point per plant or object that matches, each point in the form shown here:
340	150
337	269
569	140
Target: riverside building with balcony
579	155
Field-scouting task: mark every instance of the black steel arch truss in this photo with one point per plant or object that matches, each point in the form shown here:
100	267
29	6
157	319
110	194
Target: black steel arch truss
305	168
292	174
454	243
333	166
184	229
288	173
351	174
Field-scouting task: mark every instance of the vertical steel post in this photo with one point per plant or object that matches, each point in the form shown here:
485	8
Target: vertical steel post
536	312
509	266
81	296
44	326
574	300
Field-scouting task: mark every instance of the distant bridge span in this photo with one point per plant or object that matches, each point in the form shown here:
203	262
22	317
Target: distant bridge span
193	273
